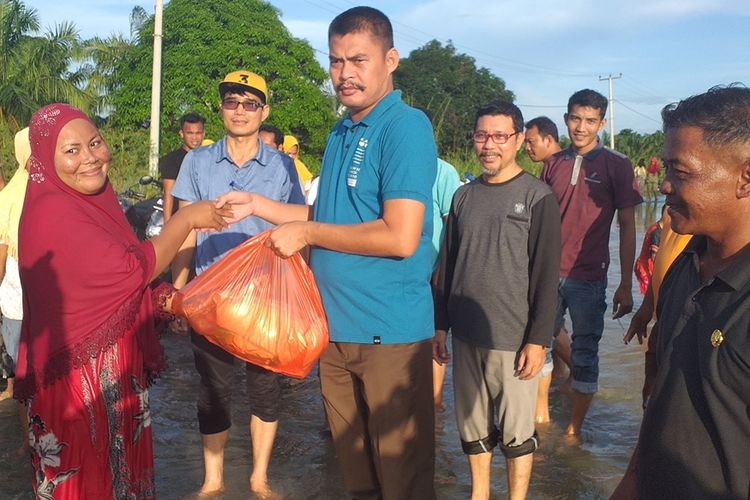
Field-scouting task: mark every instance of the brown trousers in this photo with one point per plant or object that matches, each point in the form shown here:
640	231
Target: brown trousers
378	400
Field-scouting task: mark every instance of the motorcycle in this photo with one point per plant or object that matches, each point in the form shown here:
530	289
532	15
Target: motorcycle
145	215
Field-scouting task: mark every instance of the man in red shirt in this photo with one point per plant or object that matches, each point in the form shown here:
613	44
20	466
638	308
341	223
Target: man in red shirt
590	183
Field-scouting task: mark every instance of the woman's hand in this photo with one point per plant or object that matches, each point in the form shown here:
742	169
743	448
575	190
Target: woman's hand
206	215
239	204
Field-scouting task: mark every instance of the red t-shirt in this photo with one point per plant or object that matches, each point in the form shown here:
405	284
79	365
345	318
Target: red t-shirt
603	184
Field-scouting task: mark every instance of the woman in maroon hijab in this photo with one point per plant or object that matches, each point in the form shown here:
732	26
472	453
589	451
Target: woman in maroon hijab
89	349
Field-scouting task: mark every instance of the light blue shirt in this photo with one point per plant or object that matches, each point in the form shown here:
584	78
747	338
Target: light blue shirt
208	172
446	183
389	154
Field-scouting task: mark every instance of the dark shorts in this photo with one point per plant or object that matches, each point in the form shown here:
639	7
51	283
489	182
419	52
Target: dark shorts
216	369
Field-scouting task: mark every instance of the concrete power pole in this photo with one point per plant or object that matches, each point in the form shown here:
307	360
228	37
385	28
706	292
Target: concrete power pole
611	109
153	156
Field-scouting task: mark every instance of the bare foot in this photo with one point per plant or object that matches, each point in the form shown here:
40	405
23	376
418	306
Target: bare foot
205	495
261	490
571	431
573	439
542	419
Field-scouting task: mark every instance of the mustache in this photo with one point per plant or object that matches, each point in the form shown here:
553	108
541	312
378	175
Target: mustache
348	83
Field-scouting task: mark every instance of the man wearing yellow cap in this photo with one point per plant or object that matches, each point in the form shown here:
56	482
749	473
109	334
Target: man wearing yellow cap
238	161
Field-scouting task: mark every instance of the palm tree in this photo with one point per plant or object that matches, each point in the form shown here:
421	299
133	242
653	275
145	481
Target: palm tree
104	55
35	70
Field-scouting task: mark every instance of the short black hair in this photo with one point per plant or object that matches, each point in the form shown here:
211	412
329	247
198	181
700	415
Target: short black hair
589	98
723	113
191	118
236	88
359	19
278	135
545	126
504	108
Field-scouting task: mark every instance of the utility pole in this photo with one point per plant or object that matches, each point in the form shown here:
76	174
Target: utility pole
153	156
611	109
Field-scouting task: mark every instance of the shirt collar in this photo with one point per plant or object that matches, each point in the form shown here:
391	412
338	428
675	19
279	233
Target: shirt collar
262	158
570	154
375	113
736	275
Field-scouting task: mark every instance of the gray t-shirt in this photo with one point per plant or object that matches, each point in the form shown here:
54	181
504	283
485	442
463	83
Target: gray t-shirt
499	270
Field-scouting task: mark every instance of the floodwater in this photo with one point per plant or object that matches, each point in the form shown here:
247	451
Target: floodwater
304	465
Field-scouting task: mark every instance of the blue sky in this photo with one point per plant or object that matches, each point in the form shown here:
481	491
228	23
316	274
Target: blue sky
544	50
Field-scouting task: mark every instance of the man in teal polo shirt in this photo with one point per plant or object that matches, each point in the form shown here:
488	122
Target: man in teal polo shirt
370	232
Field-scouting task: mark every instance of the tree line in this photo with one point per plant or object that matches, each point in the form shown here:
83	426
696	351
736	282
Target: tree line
110	79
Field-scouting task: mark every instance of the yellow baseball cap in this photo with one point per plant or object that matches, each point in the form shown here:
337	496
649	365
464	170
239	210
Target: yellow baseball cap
254	83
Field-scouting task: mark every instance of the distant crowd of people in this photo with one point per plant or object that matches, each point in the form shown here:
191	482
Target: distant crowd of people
415	271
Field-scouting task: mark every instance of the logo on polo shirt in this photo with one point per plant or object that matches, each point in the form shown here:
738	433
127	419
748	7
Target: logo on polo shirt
357	160
518	208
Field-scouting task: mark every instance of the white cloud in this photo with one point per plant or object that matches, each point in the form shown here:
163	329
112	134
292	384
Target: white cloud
99	18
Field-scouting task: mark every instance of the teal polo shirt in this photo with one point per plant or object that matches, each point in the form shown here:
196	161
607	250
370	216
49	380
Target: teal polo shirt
389	154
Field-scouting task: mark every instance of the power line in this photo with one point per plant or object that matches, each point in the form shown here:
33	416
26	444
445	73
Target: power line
503	61
639	91
637	112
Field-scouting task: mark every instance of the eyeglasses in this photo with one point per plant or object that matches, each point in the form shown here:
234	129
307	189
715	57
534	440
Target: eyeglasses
249	106
498	138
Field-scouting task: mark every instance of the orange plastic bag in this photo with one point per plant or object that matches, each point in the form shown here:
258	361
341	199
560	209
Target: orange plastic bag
259	307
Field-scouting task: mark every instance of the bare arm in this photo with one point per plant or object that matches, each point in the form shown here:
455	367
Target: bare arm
623	298
168	184
182	262
202	214
396	234
641	318
245	204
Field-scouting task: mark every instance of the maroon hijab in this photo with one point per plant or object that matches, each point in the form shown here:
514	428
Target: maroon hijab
84	273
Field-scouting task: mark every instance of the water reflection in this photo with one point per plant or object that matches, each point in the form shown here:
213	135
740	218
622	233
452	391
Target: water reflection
303	465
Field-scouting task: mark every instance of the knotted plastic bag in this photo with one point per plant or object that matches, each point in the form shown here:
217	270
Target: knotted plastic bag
259	307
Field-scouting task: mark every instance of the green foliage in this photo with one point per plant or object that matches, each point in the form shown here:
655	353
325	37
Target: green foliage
35	70
202	42
129	148
450	87
104	56
8	163
639	146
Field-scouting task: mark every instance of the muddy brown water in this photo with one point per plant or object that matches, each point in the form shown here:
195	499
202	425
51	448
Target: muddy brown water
304	465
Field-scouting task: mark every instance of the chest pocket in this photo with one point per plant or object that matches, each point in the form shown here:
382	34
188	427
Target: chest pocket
599	186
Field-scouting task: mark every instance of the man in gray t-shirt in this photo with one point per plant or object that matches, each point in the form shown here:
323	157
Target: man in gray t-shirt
497	293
